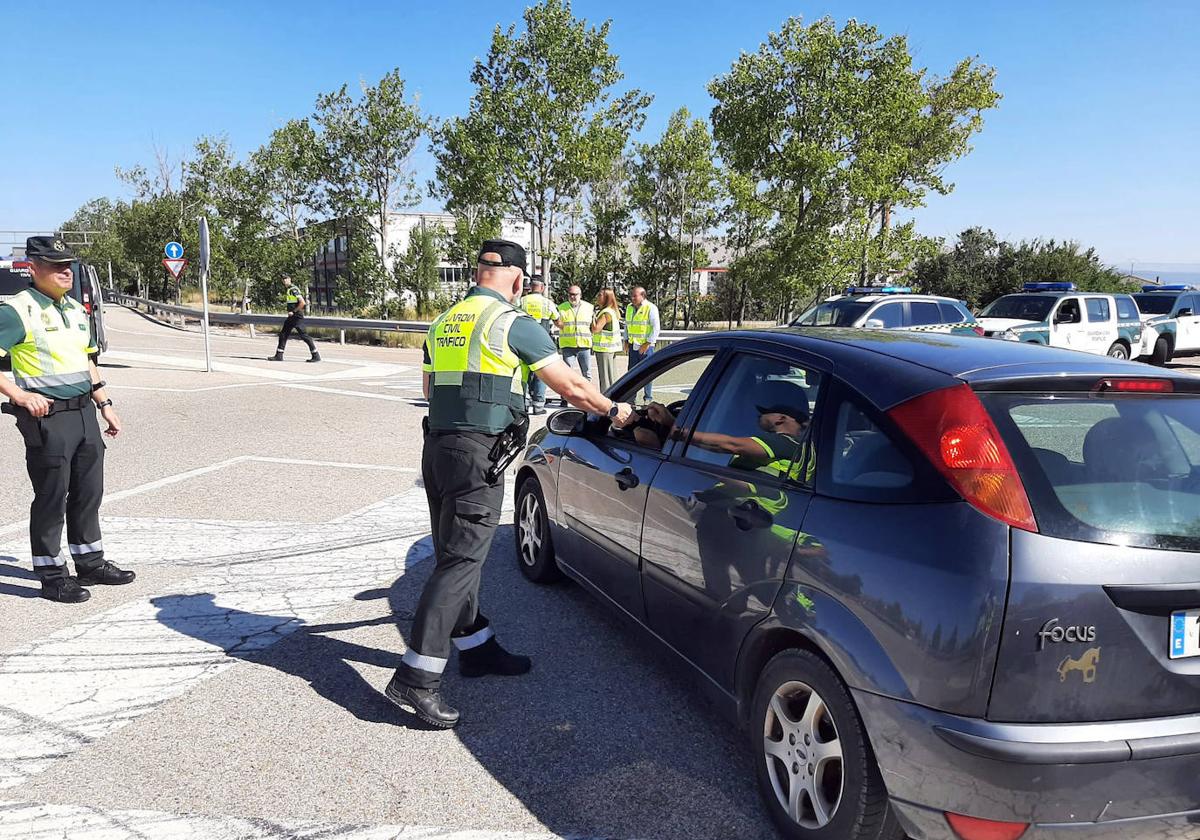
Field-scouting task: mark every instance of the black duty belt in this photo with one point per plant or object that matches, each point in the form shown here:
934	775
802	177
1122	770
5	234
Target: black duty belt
71	404
481	437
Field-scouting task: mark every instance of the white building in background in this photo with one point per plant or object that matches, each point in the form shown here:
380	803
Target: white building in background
332	260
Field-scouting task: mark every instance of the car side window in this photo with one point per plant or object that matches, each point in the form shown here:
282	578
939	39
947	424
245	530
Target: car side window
670	388
891	314
1186	302
758	420
952	313
1068	310
864	456
1098	310
924	312
1126	309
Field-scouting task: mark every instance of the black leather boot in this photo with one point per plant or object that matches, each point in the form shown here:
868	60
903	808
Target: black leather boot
490	658
426	703
316	357
64	590
106	575
278	357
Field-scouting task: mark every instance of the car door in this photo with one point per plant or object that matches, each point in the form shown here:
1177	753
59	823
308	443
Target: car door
724	512
603	479
1067	327
1187	335
925	316
1101	329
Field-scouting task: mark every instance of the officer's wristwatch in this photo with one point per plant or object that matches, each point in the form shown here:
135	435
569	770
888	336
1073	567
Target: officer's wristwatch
104	404
614	410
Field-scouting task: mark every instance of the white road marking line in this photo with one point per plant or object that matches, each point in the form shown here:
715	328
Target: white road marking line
32	821
85	681
166	481
346	393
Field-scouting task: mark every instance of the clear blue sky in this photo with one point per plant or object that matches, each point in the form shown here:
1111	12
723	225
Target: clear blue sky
1096	138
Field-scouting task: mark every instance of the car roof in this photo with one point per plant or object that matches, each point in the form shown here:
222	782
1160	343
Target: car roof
895	296
891	366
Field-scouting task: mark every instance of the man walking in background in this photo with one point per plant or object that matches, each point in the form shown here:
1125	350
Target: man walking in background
575	338
296	304
641	332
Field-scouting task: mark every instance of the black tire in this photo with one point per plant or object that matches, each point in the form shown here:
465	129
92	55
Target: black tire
1162	352
531	531
1118	351
861	811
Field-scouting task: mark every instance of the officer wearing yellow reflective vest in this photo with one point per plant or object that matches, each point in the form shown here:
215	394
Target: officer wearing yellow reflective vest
575	332
541	309
47	333
477	356
641	332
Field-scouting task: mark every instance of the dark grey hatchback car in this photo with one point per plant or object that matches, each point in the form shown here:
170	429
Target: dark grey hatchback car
950	587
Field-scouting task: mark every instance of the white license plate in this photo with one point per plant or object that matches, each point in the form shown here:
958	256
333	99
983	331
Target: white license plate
1185	633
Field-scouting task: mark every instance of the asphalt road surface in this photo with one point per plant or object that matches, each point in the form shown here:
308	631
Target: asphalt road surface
275	518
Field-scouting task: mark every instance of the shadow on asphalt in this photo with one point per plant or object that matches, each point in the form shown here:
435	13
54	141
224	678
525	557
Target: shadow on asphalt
11	567
606	736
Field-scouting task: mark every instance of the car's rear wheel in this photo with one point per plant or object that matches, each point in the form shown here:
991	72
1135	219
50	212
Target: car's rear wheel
535	550
815	769
1162	352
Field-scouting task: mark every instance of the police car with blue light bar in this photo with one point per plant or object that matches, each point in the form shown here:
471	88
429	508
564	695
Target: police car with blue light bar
1171	317
891	308
1058	315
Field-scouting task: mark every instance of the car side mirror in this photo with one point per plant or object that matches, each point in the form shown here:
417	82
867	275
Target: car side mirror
1066	318
874	324
568	421
1183	313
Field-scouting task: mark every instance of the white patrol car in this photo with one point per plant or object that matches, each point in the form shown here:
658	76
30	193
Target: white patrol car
1171	316
1057	315
891	308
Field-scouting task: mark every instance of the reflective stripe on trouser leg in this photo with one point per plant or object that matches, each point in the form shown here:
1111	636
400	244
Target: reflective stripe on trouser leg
478	633
432	664
86	548
42	561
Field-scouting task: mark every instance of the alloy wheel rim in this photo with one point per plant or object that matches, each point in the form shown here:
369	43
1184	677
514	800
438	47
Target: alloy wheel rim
530	530
1117	353
803	755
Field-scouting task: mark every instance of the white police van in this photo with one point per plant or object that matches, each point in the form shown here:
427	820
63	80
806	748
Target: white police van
1058	315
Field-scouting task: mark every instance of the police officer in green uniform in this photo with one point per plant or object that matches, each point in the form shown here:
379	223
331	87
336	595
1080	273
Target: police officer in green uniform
296	304
477	358
48	335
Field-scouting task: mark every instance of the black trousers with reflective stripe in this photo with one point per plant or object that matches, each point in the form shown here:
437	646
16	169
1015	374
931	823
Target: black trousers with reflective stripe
295	323
464	510
64	456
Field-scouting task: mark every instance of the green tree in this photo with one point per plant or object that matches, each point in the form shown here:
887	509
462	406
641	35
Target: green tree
542	122
837	129
416	270
675	187
469	193
365	163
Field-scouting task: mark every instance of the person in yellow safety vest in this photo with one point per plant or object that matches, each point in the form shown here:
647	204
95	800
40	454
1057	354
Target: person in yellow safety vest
55	383
296	307
641	332
540	308
477	355
575	332
606	336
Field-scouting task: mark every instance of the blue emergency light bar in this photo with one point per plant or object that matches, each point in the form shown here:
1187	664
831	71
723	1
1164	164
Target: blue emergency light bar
878	290
1174	287
1049	287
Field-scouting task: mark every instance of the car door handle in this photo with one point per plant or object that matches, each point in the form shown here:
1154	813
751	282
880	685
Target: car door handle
750	514
627	479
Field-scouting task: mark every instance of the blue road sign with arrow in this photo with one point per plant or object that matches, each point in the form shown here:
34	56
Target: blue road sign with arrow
173	250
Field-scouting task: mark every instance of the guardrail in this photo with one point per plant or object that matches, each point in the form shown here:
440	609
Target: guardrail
185	313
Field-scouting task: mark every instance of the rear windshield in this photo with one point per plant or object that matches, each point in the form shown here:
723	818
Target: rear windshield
1155	304
833	313
1024	307
1123	470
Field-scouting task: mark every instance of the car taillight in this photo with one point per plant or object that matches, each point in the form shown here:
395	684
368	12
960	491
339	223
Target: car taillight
1136	386
979	331
955	432
973	828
